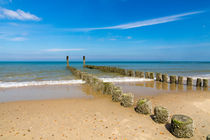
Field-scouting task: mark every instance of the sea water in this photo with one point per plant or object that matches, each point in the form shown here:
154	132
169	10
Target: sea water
17	74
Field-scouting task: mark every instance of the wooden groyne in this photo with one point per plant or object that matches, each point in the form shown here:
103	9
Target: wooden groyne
180	127
125	99
151	75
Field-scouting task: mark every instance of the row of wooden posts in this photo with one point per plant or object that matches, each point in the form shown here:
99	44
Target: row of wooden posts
151	75
181	125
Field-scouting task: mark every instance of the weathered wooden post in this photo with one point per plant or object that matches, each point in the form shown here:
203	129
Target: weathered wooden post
165	78
205	83
182	126
67	60
152	75
83	61
198	82
158	77
146	74
189	81
180	80
173	79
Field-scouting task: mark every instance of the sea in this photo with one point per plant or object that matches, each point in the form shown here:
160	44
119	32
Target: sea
19	74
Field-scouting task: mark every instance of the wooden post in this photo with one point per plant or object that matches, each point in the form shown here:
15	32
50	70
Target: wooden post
83	61
158	77
67	60
173	79
165	78
199	82
180	80
205	83
151	76
189	81
146	74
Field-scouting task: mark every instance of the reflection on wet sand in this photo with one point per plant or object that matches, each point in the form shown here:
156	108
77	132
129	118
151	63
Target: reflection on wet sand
165	86
172	87
189	88
158	85
180	87
148	88
150	84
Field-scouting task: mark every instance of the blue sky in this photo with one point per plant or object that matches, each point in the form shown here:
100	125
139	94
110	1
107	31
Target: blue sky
141	30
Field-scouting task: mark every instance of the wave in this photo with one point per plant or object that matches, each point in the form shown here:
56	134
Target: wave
66	82
206	76
38	83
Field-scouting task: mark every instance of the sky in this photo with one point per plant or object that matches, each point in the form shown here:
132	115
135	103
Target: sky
111	30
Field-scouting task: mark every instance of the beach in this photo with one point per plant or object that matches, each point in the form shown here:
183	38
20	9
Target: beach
92	115
44	100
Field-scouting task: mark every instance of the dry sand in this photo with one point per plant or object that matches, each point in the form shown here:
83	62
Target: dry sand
98	118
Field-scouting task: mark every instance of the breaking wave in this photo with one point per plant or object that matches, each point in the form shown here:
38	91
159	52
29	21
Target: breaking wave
38	83
66	82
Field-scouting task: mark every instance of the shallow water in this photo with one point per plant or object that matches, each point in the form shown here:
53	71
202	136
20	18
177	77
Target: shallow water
43	93
13	74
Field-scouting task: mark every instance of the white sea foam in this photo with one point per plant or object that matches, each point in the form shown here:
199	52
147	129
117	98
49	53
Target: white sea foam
125	79
66	82
206	76
38	83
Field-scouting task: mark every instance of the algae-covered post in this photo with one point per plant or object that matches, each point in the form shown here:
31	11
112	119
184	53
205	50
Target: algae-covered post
83	61
147	75
205	83
165	78
158	77
173	79
67	60
180	80
198	82
161	114
189	81
152	75
182	126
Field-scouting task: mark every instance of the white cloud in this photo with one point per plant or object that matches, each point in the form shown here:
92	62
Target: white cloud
144	22
63	50
18	39
17	15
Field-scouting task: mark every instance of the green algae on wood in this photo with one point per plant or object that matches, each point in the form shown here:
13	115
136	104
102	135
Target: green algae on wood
205	83
144	106
180	80
161	114
182	126
172	79
189	81
117	95
199	82
152	75
165	78
127	99
158	77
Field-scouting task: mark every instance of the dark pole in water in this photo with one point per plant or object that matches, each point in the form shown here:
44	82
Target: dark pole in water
67	60
83	61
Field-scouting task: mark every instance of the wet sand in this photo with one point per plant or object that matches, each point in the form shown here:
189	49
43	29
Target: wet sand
98	117
42	93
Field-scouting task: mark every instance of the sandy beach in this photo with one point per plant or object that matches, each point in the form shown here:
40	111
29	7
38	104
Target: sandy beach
98	117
